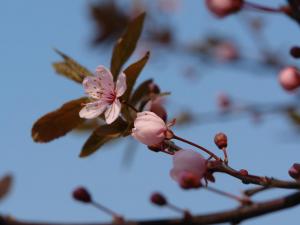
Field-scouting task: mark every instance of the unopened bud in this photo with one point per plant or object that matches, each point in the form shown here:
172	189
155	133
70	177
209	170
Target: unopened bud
294	171
221	140
295	52
158	199
82	195
289	78
222	8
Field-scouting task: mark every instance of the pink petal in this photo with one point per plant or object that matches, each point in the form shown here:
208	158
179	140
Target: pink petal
121	85
113	112
92	110
92	86
107	82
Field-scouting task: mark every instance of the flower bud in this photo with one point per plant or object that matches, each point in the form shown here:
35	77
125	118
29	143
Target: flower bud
244	172
289	78
149	128
158	199
189	167
294	171
82	195
295	52
221	140
222	8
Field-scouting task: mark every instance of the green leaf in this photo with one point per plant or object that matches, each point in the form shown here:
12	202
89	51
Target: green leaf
132	72
102	135
126	44
5	185
70	68
58	123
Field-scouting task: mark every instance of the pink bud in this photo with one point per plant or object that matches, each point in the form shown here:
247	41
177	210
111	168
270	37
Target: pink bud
289	78
189	167
222	8
294	171
221	140
149	128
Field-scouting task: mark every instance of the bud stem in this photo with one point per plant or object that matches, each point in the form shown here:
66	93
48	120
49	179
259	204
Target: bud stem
197	146
225	155
226	194
105	209
262	8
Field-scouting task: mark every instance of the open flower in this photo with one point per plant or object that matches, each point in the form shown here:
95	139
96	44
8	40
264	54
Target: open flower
105	95
189	167
149	128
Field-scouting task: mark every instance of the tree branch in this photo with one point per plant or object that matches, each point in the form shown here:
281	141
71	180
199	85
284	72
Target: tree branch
233	216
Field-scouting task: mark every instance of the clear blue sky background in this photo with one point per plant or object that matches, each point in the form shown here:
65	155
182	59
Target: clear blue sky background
45	174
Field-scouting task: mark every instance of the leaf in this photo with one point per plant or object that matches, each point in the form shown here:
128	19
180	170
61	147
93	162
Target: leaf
5	185
58	123
102	135
141	92
70	68
132	72
126	44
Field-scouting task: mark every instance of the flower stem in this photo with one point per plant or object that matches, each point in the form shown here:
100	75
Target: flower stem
197	146
229	195
251	5
105	209
225	155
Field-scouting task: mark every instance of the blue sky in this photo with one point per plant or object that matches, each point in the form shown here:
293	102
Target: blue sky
45	174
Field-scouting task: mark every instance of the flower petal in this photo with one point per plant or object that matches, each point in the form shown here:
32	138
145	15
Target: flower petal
92	110
92	86
121	85
107	82
113	112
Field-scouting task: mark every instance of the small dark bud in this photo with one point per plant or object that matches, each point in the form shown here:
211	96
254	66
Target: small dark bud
221	140
295	52
82	195
294	171
244	172
158	199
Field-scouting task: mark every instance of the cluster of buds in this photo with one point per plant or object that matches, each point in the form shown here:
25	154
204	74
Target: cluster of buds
289	78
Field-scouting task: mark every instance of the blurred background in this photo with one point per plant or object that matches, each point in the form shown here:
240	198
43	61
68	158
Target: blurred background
201	60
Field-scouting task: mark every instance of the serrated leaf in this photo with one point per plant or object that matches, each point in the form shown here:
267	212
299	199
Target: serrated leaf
5	185
59	122
70	68
132	72
102	135
126	44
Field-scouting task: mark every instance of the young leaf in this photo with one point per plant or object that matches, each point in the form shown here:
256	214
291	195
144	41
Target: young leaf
132	72
70	68
126	44
102	135
141	92
5	185
58	123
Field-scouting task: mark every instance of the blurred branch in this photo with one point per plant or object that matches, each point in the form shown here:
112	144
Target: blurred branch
234	216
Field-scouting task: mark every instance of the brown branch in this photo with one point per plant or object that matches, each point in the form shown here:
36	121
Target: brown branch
215	166
233	216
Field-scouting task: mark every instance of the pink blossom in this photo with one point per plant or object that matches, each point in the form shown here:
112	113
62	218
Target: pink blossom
104	94
149	128
189	167
222	8
289	78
